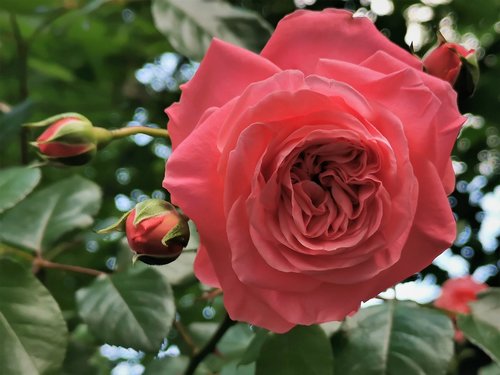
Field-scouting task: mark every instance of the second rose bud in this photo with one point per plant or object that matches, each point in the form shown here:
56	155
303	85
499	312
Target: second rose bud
155	231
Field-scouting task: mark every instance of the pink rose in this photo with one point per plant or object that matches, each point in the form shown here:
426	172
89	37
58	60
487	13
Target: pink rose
445	61
317	172
457	293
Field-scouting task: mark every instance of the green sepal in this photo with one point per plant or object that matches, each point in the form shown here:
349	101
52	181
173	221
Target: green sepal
151	208
101	136
179	234
74	132
468	77
119	226
55	118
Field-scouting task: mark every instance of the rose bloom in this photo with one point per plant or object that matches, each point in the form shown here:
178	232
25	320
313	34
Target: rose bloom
457	293
317	172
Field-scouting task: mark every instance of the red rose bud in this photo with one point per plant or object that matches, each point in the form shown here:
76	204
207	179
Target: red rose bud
156	232
457	293
455	64
70	139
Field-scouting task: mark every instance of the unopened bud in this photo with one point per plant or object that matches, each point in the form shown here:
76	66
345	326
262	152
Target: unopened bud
455	64
155	231
70	139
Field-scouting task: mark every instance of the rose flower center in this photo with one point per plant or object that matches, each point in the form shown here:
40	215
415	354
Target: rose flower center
330	189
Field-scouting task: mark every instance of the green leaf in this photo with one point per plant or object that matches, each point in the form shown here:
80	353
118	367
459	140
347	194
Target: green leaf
173	366
38	221
167	365
51	69
482	326
233	368
303	350
491	369
253	350
191	25
28	6
15	184
180	271
33	333
235	341
131	309
394	338
10	123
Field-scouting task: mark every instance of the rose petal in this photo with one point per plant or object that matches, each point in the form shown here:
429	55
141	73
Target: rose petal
203	181
331	34
224	72
204	269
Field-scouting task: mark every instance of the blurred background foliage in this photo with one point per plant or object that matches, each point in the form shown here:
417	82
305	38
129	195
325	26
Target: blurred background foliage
107	60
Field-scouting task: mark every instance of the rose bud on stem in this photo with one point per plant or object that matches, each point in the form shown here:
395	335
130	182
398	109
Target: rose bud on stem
456	294
455	64
71	139
155	231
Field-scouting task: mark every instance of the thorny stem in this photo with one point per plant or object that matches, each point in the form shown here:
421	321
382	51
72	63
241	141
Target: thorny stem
210	346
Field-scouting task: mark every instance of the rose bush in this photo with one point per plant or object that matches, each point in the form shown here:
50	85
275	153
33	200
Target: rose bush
317	172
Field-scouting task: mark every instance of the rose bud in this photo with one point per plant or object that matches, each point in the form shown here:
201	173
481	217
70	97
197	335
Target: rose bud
457	293
455	64
156	232
455	297
70	139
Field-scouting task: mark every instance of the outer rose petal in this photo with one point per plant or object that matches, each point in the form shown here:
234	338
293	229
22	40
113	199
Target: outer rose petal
330	34
204	269
189	183
225	71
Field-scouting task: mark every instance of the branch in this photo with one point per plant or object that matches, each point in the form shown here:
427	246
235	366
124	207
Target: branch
40	262
210	346
46	23
185	336
22	54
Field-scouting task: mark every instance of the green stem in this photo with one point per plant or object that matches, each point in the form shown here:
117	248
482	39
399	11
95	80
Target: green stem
43	263
131	130
22	54
6	249
185	336
209	348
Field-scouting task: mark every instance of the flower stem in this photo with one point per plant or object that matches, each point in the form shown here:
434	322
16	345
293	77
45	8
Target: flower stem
185	336
22	66
210	346
131	130
43	263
